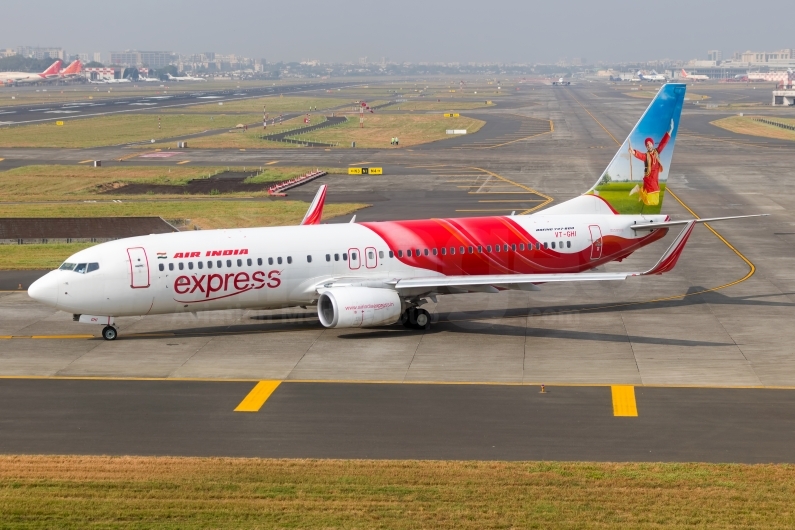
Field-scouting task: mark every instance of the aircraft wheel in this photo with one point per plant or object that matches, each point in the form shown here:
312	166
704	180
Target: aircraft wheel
109	333
422	319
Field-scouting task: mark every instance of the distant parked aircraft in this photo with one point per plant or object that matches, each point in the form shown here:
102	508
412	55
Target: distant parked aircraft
694	77
11	78
185	78
653	76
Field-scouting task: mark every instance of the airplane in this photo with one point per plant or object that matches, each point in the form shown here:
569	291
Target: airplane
149	80
694	77
185	78
380	273
653	76
561	82
28	77
117	81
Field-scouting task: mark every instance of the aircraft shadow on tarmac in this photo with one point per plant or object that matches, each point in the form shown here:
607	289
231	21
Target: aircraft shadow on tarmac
471	322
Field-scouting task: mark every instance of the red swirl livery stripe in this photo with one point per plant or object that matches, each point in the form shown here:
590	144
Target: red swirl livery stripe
421	236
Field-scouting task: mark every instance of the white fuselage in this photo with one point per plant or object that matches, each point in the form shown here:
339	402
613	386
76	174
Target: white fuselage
283	266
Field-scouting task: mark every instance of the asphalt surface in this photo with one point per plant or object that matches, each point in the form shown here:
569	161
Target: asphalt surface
721	319
335	420
201	94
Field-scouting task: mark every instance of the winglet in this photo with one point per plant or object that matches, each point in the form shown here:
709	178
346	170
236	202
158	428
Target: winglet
668	261
315	211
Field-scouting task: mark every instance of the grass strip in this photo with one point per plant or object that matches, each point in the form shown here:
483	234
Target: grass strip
137	492
748	125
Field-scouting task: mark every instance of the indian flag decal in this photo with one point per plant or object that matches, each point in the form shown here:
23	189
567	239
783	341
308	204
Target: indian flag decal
162	255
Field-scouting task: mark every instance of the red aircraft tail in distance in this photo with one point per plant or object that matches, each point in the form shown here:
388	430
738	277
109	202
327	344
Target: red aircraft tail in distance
53	70
72	70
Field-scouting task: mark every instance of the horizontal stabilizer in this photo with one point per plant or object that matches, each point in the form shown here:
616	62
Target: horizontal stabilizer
666	224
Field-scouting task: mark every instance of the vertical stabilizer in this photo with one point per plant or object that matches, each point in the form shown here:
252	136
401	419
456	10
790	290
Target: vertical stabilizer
634	181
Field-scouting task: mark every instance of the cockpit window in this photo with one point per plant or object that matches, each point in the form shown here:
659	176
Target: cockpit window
80	268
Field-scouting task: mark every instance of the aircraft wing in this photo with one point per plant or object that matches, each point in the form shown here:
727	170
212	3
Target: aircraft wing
494	282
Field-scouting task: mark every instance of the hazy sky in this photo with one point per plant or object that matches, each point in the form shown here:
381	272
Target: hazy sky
406	30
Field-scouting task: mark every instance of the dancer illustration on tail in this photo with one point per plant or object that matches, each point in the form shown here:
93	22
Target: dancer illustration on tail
649	194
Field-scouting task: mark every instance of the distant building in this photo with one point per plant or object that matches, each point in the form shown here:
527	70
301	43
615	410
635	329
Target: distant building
36	52
97	57
715	55
143	58
778	59
99	74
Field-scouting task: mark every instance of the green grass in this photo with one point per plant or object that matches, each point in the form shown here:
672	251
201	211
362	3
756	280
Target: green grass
31	257
116	129
449	106
143	492
251	139
411	129
80	182
749	125
206	213
617	194
274	105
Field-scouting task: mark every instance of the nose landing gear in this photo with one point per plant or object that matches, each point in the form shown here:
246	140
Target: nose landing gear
416	318
109	333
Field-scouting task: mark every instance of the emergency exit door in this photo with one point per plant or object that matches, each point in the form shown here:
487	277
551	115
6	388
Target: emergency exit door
596	241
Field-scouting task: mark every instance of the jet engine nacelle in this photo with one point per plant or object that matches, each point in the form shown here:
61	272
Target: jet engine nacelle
358	307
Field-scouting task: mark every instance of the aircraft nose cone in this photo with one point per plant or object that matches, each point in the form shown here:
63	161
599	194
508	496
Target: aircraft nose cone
44	290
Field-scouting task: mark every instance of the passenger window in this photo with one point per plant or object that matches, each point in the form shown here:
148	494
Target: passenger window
259	261
400	253
560	244
270	261
538	246
462	249
336	257
452	251
181	266
279	260
425	251
381	254
240	263
190	265
229	263
521	246
371	254
471	250
434	252
308	259
200	264
488	248
344	256
219	263
391	254
568	244
513	247
418	253
444	251
545	244
408	253
160	266
328	257
248	262
170	266
480	249
553	244
209	264
353	256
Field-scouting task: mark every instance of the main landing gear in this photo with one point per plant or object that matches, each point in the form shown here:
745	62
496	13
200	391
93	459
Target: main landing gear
109	333
416	318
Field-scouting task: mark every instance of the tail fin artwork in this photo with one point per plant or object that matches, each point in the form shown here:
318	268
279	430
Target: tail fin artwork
634	181
52	70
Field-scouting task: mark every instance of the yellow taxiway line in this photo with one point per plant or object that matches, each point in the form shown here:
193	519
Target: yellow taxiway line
624	400
258	396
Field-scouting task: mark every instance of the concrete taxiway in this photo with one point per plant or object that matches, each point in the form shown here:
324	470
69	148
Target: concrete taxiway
721	319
